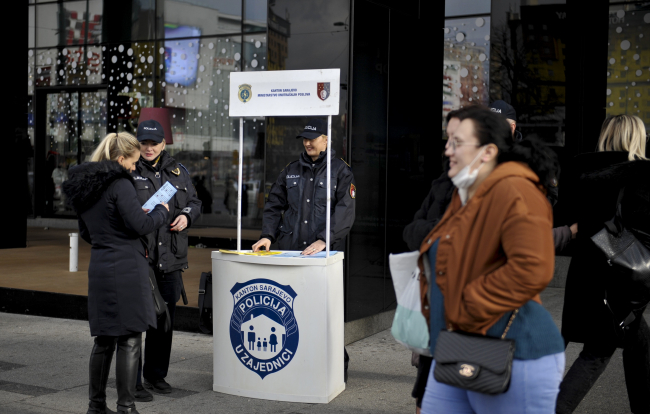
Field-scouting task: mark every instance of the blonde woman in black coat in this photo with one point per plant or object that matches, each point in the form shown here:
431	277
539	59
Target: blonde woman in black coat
620	162
120	305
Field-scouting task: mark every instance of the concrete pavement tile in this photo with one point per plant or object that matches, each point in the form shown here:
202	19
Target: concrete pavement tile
8	366
75	400
210	402
7	397
24	408
25	389
192	374
60	374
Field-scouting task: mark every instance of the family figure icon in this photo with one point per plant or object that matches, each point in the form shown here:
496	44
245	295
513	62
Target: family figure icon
263	336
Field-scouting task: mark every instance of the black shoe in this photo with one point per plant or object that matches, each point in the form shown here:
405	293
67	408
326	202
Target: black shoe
160	386
131	410
94	409
141	394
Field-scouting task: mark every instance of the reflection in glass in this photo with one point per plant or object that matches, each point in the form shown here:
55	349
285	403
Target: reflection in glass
628	80
93	121
466	63
61	24
94	21
254	52
466	7
255	15
61	148
31	27
527	66
210	18
60	66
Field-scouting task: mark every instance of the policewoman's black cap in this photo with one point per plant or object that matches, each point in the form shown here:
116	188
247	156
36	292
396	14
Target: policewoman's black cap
314	129
150	130
505	109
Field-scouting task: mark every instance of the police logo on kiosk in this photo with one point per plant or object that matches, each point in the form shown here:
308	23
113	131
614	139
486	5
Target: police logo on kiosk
323	90
244	93
263	327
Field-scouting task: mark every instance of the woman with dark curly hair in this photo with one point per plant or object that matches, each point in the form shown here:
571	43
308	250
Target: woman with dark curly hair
488	258
120	304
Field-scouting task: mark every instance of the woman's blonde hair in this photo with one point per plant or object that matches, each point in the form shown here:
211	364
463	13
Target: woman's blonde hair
116	145
623	133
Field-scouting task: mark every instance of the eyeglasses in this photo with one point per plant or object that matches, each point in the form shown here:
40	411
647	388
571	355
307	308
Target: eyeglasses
455	144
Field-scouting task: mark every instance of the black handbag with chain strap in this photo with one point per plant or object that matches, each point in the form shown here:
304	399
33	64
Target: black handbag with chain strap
475	362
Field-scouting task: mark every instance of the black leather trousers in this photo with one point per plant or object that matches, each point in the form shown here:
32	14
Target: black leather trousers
126	368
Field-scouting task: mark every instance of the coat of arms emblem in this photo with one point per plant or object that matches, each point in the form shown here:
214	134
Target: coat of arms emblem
323	90
244	93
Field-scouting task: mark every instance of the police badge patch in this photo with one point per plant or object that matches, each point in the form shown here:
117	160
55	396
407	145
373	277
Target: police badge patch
353	191
244	93
263	328
323	90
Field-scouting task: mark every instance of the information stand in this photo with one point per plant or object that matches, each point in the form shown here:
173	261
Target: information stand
300	300
278	320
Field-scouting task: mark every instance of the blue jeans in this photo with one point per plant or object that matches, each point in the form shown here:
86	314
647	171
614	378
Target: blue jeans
534	386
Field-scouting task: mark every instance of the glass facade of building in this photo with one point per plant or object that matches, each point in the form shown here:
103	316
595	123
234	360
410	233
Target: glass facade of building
94	64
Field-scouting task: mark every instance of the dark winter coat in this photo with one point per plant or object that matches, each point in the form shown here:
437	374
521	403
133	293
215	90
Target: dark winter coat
112	220
593	202
432	209
168	249
295	212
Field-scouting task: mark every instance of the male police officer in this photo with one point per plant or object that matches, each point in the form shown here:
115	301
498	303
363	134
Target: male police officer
296	210
166	247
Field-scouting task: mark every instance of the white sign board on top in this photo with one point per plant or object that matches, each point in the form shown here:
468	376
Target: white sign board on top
285	93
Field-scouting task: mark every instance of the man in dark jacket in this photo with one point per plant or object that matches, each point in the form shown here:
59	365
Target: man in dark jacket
295	212
425	219
166	247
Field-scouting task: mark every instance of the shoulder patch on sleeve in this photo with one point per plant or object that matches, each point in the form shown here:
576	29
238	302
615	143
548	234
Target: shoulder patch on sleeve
183	167
353	191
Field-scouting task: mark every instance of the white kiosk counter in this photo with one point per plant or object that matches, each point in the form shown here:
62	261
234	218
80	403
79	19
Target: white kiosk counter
278	326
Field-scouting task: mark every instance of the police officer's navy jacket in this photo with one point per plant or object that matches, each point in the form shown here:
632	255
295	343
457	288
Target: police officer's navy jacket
168	249
295	212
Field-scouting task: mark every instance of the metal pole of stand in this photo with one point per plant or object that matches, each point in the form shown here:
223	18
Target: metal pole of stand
239	181
329	179
74	251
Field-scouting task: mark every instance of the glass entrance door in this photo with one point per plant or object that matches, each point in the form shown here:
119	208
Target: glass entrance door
75	122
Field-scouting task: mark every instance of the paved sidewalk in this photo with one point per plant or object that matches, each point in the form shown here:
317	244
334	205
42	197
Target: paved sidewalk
44	369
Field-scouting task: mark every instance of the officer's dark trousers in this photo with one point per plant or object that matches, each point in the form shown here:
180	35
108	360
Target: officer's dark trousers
158	344
593	360
126	368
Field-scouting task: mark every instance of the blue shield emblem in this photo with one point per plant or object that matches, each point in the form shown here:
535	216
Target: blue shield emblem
263	328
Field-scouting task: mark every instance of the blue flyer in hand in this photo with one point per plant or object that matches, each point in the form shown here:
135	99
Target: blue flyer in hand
163	195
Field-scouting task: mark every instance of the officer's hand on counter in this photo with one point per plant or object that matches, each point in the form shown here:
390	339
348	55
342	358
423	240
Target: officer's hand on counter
180	223
264	242
315	247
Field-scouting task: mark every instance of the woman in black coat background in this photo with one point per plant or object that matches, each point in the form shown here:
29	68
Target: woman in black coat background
586	319
120	304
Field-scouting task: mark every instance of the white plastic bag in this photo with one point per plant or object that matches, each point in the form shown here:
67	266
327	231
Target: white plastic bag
409	325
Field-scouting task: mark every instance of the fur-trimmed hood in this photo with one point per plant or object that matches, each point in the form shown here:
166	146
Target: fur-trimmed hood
623	172
89	181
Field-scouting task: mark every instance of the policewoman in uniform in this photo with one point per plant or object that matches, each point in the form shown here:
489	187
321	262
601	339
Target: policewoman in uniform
295	213
296	209
167	246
